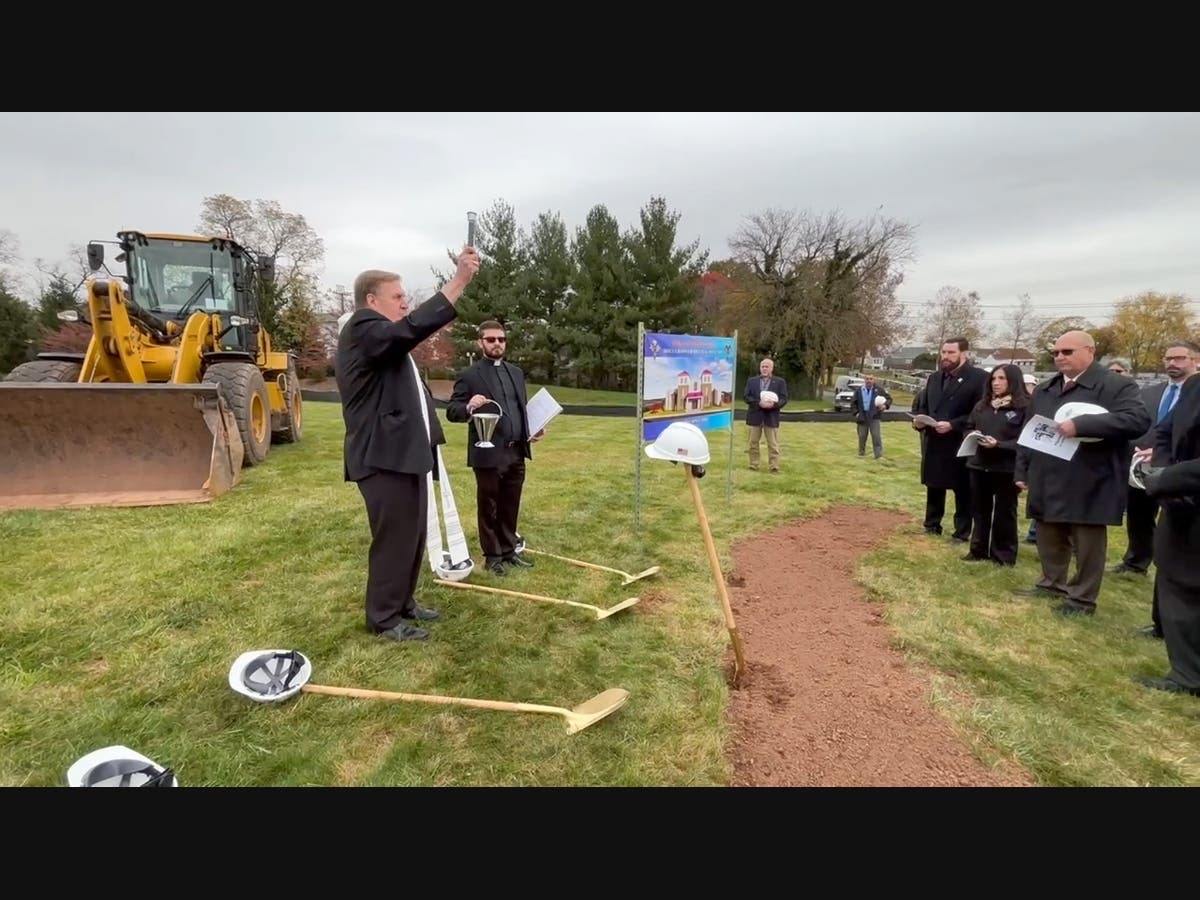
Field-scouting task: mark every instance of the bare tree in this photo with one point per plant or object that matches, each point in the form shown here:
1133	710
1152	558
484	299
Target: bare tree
1021	324
953	313
8	247
825	286
269	231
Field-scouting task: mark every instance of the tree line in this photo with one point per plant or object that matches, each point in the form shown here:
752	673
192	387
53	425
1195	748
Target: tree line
813	290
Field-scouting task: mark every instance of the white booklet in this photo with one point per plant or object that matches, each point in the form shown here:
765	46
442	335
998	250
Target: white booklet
970	444
1041	434
922	419
540	409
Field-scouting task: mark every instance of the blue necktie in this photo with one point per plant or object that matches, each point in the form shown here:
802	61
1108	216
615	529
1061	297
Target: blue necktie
1168	401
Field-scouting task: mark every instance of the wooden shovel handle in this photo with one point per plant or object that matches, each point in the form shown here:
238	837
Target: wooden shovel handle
730	624
365	694
577	562
463	586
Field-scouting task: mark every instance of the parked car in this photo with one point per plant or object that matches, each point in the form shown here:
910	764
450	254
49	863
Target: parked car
844	395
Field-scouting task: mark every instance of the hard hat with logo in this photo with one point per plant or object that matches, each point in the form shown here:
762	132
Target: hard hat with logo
769	396
680	442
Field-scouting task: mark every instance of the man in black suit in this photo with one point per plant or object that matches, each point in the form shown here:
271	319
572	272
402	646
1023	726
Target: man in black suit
762	417
949	396
1075	501
1180	361
1176	488
391	430
499	470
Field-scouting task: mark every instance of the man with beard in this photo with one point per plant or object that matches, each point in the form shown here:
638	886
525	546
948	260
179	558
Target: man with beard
1075	500
1176	488
948	397
1180	361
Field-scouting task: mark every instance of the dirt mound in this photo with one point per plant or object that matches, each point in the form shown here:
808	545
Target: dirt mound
826	700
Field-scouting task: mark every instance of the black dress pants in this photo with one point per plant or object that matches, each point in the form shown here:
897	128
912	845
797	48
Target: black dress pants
396	510
994	509
498	503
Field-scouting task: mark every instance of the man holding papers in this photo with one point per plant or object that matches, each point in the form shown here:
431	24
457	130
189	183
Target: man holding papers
1076	495
495	386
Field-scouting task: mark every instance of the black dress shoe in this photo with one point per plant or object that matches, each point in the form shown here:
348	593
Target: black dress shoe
1151	632
496	567
404	632
1166	684
424	613
971	557
517	560
1073	609
1036	591
1123	569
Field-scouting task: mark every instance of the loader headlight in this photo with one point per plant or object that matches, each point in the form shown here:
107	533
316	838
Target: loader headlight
238	321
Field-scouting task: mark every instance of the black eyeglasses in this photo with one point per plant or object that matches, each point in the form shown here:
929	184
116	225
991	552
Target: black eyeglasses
494	340
1062	352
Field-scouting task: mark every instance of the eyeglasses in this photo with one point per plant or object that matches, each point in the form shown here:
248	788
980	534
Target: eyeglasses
1067	352
494	340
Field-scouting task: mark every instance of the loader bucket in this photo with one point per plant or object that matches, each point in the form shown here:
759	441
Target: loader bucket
69	445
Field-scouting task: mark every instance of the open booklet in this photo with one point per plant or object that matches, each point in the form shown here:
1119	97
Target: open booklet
541	408
922	419
970	443
1042	434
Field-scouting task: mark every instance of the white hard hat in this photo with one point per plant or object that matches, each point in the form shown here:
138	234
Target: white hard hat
452	571
118	766
1031	378
881	401
680	442
769	395
1079	408
270	675
343	319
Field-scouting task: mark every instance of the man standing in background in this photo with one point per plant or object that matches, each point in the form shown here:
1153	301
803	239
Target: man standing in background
868	414
763	415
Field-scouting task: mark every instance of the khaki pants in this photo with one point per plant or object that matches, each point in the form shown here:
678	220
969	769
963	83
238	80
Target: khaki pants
772	435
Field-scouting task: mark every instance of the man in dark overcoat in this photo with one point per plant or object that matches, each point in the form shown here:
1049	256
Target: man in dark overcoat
1176	488
1074	501
948	397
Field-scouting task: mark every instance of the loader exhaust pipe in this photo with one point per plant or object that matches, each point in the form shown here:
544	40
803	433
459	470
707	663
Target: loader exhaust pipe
72	445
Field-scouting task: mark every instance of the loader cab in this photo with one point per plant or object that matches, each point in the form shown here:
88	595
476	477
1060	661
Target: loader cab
174	276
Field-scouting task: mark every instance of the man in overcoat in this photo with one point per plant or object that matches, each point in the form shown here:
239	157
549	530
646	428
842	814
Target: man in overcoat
1074	501
948	397
1176	488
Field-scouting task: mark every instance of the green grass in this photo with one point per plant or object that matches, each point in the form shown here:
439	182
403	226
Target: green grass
570	396
119	626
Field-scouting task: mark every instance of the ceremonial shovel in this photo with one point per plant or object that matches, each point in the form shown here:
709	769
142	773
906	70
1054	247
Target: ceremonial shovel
271	676
601	612
629	579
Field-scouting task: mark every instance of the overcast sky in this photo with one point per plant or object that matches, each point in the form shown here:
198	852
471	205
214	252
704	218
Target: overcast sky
1076	209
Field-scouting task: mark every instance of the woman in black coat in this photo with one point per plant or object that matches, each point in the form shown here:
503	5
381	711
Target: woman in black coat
999	416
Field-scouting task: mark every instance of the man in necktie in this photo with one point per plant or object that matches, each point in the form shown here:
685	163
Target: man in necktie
1076	500
1180	361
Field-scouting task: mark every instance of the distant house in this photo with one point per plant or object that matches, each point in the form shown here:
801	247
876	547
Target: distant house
874	359
988	358
902	357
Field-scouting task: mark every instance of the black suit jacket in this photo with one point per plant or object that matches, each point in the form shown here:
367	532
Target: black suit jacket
875	412
941	466
381	393
756	415
1151	396
1177	488
484	378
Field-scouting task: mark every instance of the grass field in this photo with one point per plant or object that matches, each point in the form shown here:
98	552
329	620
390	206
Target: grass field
119	626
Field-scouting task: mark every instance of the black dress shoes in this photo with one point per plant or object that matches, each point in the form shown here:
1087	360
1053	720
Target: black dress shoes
405	632
1166	684
424	613
518	560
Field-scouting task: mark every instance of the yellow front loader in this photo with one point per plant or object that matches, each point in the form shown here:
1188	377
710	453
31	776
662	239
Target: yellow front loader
179	387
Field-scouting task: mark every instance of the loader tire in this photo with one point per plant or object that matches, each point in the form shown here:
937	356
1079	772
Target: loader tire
46	370
291	420
245	393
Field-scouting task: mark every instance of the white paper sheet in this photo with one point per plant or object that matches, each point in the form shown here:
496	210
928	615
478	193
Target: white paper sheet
922	419
540	409
1041	434
970	444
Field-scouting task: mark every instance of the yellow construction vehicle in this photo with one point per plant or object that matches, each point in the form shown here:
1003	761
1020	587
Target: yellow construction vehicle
179	387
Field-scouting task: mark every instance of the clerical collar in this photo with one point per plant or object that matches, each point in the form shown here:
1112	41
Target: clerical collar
496	362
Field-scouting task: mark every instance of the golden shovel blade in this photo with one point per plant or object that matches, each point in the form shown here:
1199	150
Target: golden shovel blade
591	711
